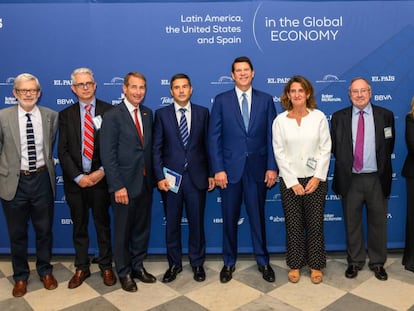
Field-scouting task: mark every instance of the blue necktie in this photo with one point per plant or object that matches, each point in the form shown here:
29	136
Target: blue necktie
31	146
183	127
245	111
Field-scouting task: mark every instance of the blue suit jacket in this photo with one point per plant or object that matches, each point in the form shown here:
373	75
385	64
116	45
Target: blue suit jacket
233	149
122	154
168	148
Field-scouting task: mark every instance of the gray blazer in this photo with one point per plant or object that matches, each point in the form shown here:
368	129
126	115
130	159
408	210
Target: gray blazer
10	150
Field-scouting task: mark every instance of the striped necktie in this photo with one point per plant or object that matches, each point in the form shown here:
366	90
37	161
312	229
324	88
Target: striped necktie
31	146
88	140
183	127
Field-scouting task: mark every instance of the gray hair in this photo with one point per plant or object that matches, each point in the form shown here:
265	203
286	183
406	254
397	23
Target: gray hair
23	77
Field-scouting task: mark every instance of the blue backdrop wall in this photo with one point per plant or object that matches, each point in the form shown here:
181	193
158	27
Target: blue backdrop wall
328	42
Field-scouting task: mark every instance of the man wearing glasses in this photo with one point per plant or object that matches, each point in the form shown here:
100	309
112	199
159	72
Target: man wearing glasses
27	180
84	178
363	138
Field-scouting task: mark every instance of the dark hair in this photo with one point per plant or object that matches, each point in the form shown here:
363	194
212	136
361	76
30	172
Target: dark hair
241	59
180	76
307	86
134	74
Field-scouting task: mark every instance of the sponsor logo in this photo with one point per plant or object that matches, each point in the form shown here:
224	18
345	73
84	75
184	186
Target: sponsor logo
165	100
276	219
117	101
64	101
10	100
332	197
220	221
392	156
59	180
331	217
278	80
276	197
115	81
165	82
276	99
62	200
389	216
382	97
1	23
9	81
329	78
328	98
66	221
62	82
385	78
223	80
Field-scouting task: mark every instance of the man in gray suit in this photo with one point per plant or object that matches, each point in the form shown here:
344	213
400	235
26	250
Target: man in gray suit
27	179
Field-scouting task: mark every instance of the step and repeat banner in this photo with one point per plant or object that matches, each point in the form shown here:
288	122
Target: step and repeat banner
328	42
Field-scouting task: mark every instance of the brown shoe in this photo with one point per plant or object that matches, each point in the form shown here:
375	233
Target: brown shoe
20	288
49	281
316	276
78	278
108	276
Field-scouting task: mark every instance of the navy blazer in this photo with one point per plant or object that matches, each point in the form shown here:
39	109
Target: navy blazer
342	148
231	148
70	144
168	148
123	156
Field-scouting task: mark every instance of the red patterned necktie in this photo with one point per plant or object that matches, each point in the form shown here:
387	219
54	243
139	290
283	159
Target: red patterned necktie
138	126
88	134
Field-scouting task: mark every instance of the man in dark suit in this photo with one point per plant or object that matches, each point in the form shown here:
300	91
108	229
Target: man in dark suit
180	144
84	178
242	160
362	143
27	180
126	143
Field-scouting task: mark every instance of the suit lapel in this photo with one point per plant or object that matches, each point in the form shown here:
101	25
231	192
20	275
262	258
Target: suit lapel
236	109
46	128
15	130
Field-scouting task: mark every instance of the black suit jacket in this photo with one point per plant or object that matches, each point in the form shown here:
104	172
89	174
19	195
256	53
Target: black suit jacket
124	158
408	168
70	144
342	148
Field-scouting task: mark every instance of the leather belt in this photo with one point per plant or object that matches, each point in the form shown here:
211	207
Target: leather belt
38	170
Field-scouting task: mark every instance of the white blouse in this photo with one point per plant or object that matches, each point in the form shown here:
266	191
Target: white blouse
302	150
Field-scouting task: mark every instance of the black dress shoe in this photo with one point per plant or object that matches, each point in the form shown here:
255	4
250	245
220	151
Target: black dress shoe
199	274
380	273
128	284
143	276
226	274
268	273
171	274
352	271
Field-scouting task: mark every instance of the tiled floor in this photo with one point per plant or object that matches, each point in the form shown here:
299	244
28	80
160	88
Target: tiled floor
247	291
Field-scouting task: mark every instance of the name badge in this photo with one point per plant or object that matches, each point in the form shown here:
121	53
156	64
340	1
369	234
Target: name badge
387	132
311	163
97	122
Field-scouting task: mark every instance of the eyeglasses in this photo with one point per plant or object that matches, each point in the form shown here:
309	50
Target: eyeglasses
361	91
27	91
83	85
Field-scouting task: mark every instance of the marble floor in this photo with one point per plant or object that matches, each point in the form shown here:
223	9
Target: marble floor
247	290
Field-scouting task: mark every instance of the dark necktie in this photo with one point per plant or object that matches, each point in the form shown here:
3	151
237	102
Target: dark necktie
359	144
138	126
31	146
88	140
183	127
245	111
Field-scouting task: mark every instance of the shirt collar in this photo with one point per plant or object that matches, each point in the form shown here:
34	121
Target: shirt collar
240	92
367	109
177	107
